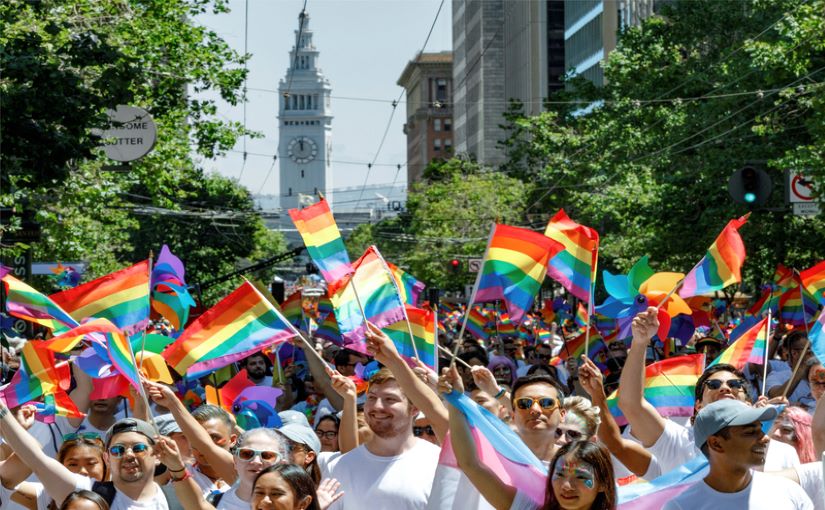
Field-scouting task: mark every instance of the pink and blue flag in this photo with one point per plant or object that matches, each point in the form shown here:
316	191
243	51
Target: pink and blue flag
654	494
499	448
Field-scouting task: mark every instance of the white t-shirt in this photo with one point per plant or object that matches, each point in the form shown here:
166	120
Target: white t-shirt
231	501
452	490
765	492
124	502
810	478
675	447
67	428
402	482
324	461
206	485
522	502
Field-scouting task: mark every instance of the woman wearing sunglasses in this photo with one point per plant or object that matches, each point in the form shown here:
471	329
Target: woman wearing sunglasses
580	423
256	450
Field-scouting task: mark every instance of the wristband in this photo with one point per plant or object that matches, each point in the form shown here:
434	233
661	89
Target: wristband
500	393
176	470
186	475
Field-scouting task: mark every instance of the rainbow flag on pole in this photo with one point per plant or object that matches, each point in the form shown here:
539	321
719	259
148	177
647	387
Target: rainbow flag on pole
797	309
24	302
122	297
514	268
748	348
241	323
323	240
813	280
38	375
575	266
668	386
422	323
293	310
408	286
477	324
122	358
377	294
721	266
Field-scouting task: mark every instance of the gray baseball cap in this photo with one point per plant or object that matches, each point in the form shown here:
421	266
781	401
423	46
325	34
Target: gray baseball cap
727	413
131	425
290	416
298	433
166	424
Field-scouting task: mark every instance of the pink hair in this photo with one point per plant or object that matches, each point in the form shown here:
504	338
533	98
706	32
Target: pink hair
801	420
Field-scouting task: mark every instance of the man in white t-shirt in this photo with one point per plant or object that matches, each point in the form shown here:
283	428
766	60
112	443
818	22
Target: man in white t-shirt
669	442
394	469
256	367
729	433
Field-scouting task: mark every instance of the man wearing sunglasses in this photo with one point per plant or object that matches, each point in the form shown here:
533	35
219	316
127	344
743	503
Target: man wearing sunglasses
537	413
670	443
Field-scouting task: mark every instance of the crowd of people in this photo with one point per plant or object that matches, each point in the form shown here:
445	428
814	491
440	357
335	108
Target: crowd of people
369	429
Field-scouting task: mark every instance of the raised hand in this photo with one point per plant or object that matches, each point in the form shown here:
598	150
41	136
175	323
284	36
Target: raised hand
168	454
160	394
590	378
342	385
328	493
644	326
25	416
450	380
485	380
425	373
380	346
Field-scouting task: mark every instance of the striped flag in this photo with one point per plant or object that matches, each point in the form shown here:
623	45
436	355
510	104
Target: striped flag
574	266
748	348
38	375
721	266
24	302
241	323
122	297
122	358
408	286
514	268
323	240
813	280
422	323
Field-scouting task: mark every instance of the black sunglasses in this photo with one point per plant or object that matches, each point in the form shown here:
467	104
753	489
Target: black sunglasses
734	384
574	435
420	431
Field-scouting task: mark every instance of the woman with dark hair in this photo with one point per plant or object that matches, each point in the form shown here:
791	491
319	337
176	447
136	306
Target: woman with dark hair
327	432
84	500
284	487
581	477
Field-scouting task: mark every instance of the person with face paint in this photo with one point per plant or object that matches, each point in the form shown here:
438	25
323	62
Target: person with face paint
580	478
793	427
580	423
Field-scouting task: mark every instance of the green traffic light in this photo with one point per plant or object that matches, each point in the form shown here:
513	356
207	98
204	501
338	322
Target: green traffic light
750	197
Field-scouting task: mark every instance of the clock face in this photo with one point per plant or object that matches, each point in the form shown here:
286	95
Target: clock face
302	149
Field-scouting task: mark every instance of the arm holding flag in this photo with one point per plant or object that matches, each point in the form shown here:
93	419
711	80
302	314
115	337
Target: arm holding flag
647	424
220	460
630	453
348	429
422	397
496	492
55	477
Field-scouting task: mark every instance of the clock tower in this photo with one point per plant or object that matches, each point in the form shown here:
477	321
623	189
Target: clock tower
304	124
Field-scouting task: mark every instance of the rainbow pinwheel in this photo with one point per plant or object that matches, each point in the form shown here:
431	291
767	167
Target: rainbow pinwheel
639	289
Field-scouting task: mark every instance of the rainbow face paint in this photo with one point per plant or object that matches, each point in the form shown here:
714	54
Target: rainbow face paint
575	472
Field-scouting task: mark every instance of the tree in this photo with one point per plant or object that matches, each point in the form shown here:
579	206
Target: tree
691	96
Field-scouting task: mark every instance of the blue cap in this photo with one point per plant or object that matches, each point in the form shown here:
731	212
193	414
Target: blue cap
727	413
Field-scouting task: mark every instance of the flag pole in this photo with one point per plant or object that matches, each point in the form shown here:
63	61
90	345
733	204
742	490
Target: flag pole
767	347
148	317
674	289
472	298
435	334
454	357
807	334
589	315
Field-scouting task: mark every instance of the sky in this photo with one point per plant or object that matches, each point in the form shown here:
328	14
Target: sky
364	46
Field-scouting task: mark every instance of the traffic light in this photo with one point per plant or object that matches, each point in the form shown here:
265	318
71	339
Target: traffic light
750	186
454	266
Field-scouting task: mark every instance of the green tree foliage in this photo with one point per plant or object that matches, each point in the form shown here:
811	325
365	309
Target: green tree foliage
64	63
691	96
449	215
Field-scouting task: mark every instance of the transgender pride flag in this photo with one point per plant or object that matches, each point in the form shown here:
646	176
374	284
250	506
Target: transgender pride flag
498	448
653	495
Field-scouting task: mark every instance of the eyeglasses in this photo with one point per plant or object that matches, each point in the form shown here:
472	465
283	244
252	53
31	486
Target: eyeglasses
420	431
573	435
74	436
734	384
329	434
248	454
544	402
119	450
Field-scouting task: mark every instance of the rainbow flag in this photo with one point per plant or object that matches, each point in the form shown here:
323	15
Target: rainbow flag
241	323
813	279
122	358
575	348
796	309
377	293
499	448
328	329
122	297
170	296
408	287
293	310
575	266
748	348
581	316
817	337
38	375
24	302
422	323
668	386
94	330
477	324
721	266
505	326
514	268
57	404
323	240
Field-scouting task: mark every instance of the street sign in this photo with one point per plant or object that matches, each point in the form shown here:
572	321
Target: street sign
806	208
132	134
474	265
801	188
